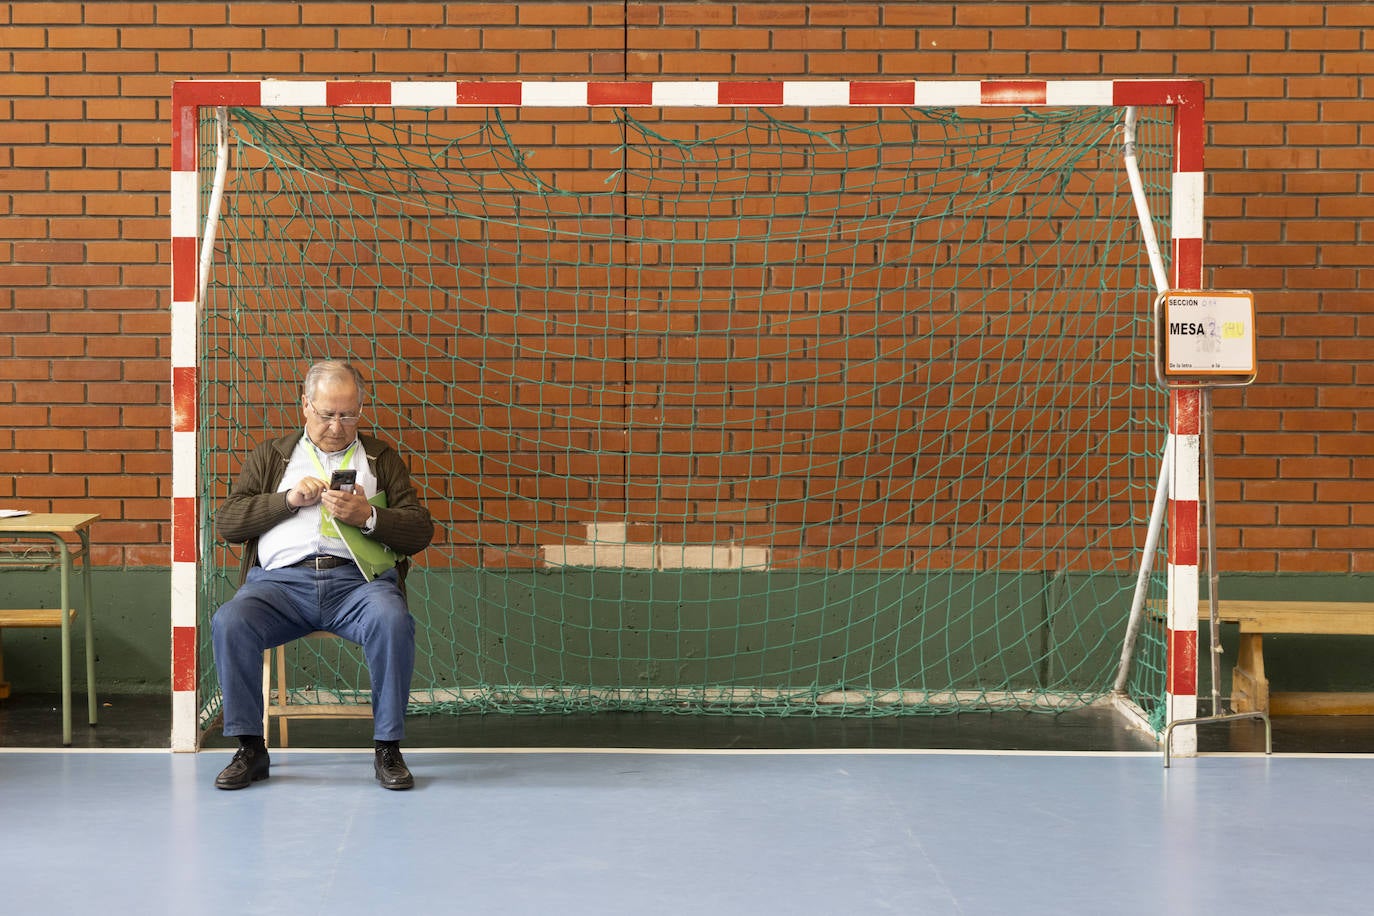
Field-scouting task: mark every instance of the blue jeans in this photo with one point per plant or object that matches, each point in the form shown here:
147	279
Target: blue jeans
273	607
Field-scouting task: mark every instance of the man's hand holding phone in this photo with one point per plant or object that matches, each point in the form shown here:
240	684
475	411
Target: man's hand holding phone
343	500
339	496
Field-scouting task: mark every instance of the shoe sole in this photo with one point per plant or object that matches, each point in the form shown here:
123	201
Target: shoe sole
408	784
229	787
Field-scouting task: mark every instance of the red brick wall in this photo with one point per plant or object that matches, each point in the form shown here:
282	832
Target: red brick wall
84	396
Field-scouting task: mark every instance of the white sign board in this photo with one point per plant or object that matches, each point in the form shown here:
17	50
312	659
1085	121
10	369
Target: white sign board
1208	333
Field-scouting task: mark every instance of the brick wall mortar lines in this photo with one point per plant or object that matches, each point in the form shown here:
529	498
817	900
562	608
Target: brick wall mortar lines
83	159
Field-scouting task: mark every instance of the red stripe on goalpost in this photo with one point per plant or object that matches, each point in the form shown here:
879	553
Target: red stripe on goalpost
481	93
183	529
1182	675
183	399
1186	98
358	92
210	93
635	94
1188	257
1183	532
183	658
1013	92
184	269
188	97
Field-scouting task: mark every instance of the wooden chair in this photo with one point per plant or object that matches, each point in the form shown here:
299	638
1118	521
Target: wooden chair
279	703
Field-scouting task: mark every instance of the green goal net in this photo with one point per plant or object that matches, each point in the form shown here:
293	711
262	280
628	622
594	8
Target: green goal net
740	410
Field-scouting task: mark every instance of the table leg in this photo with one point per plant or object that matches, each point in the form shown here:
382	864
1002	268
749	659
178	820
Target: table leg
66	642
90	626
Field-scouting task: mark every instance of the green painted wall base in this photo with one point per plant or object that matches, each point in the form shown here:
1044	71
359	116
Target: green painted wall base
133	610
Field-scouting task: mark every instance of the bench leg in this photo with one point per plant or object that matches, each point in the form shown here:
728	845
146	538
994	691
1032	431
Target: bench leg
274	670
266	695
1249	686
282	733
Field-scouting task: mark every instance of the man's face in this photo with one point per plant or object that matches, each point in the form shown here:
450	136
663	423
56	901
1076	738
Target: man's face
333	398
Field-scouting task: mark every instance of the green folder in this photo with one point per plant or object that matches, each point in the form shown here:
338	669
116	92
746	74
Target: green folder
372	557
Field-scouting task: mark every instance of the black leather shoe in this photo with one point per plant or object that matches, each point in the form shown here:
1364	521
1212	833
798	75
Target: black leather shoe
247	766
390	768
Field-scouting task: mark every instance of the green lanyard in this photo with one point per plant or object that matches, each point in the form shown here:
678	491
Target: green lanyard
328	527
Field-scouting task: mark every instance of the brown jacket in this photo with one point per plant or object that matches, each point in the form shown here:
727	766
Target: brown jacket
254	506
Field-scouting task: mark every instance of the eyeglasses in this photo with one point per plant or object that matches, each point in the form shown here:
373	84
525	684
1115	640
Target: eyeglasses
344	419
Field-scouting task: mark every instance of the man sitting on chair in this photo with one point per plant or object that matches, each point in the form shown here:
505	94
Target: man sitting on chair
298	575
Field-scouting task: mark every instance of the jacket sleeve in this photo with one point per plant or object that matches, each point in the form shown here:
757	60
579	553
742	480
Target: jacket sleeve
253	506
405	524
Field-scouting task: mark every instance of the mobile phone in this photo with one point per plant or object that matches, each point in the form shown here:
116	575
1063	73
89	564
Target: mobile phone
343	480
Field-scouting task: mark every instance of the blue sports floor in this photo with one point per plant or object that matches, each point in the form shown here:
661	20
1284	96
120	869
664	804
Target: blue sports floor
547	831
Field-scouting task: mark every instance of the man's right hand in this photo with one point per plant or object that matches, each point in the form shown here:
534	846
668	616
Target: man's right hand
306	492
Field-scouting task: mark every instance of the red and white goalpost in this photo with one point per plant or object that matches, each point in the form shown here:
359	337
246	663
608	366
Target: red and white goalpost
195	101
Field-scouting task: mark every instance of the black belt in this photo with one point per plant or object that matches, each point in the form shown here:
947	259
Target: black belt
322	561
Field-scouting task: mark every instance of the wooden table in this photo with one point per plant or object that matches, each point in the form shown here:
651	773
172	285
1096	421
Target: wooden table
42	541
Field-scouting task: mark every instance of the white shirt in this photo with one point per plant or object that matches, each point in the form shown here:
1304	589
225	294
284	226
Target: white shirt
299	536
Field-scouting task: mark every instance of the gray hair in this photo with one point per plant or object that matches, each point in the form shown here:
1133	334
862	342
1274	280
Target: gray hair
333	368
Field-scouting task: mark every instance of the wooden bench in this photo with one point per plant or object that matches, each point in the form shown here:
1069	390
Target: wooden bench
1249	685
